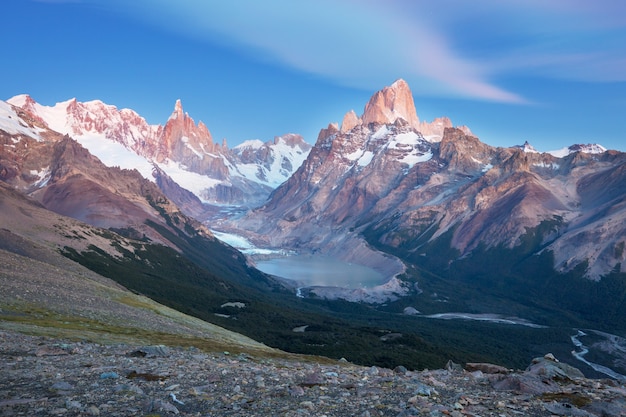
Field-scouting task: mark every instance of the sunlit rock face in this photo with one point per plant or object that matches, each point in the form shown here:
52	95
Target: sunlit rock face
391	103
411	182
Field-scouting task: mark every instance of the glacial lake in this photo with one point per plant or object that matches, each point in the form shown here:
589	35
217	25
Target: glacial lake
323	271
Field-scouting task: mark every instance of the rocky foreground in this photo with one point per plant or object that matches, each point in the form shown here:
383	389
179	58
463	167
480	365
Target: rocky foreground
44	376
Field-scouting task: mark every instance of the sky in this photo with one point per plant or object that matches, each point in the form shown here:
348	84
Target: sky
552	73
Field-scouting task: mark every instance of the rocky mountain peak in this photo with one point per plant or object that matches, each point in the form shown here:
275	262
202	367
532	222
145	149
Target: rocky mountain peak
292	140
464	153
391	103
527	147
350	120
324	134
183	139
592	148
178	107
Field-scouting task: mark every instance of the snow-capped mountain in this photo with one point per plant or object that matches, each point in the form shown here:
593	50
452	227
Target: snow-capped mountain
181	149
67	179
378	174
591	148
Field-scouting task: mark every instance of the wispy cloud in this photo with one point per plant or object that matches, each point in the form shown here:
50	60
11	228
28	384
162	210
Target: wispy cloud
452	48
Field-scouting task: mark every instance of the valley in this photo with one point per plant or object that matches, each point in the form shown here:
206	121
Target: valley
390	241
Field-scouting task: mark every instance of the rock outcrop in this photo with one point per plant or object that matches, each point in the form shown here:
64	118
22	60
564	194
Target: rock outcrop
391	103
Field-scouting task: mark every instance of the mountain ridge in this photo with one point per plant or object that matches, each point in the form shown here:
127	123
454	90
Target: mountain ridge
387	172
182	149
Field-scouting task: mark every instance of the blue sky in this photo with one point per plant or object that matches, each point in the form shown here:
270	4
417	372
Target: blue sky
549	72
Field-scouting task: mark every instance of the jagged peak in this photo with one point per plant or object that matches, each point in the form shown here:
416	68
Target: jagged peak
350	121
527	147
178	110
391	103
332	129
400	84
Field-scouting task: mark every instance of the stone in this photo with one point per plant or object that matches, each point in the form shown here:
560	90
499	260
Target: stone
401	370
453	367
204	386
312	379
486	368
155	405
62	387
153	351
92	410
550	368
308	405
524	384
424	390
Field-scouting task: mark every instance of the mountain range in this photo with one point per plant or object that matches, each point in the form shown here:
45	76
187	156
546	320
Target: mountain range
180	149
455	225
379	173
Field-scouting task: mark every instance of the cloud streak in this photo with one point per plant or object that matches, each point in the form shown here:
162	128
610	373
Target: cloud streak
456	49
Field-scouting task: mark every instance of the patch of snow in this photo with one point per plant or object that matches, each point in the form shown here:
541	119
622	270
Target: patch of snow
381	132
196	183
486	167
528	148
243	244
191	148
236	304
43	177
432	138
592	148
416	157
552	165
409	142
11	123
273	173
365	159
55	116
236	241
354	156
409	138
250	144
19	100
560	153
115	154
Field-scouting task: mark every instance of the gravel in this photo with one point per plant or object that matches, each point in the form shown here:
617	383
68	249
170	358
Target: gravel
43	376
